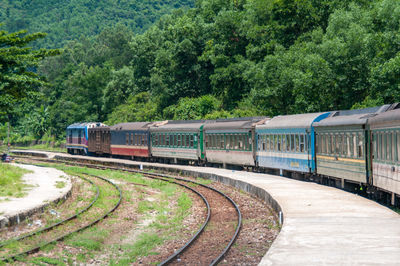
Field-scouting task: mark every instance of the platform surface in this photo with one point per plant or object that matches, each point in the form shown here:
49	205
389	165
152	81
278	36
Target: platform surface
322	225
43	190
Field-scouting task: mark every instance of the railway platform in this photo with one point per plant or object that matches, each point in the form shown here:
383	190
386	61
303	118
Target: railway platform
321	225
43	191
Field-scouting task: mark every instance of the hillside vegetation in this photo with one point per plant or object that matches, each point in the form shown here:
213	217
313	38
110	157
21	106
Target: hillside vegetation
69	20
226	58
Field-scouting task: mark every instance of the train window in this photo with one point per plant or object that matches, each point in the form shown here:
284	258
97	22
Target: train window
393	147
398	145
292	143
287	139
187	141
142	139
222	141
344	145
227	142
383	146
336	145
327	139
263	143
127	139
179	140
278	142
297	143
350	145
330	143
215	141
301	143
360	146
389	146
323	143
191	141
231	141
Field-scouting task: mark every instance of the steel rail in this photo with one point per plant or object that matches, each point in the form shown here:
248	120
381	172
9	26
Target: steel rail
45	229
172	257
34	249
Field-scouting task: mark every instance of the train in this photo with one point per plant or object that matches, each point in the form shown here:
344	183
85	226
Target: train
355	150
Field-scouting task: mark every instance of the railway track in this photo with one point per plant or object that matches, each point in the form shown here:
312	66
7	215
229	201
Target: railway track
207	246
27	244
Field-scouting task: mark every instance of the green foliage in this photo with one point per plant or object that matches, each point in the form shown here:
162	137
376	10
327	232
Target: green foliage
65	21
17	78
227	59
140	107
192	108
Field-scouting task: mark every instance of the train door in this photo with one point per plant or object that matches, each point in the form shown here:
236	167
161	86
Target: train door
369	154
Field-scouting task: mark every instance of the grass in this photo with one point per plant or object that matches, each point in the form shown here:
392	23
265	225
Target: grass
91	239
11	183
171	205
41	147
60	184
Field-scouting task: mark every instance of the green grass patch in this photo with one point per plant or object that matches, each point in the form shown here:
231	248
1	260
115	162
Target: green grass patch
41	147
91	239
11	184
145	243
60	184
46	261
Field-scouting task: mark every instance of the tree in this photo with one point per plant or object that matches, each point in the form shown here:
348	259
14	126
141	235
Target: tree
17	64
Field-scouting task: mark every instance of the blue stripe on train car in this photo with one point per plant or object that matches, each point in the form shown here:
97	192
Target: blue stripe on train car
299	165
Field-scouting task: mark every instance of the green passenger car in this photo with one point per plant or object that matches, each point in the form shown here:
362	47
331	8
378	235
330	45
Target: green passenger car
342	143
179	141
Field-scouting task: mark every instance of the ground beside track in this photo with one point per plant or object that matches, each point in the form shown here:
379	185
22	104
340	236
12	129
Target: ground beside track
322	225
138	220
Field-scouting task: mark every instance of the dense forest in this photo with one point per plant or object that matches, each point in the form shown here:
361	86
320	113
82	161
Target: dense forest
69	20
223	58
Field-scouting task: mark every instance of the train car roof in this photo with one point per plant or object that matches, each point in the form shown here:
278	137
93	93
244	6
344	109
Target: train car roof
132	126
174	125
352	117
85	124
388	118
235	123
293	121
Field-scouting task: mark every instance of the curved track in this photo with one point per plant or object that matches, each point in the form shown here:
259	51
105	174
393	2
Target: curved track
179	181
36	247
